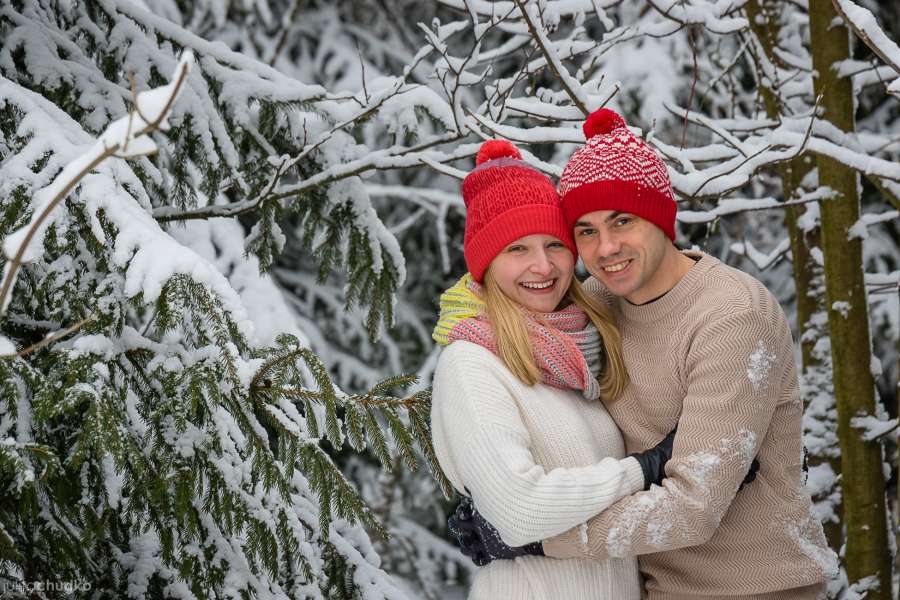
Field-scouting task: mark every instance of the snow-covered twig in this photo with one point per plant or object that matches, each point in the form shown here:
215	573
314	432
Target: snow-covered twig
795	152
703	121
569	84
732	206
390	158
125	138
873	428
762	261
864	25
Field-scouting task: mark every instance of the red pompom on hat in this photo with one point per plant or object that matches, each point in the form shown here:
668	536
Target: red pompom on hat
616	170
600	122
507	199
492	149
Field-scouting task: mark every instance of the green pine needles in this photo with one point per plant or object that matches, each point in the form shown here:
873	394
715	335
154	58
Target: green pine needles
153	444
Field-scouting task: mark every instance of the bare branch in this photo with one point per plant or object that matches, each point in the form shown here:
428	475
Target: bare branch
285	30
48	340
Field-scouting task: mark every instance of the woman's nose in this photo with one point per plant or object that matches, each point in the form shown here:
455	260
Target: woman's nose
541	264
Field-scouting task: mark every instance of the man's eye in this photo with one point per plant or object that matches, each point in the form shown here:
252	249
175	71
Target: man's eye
585	232
515	248
623	221
555	245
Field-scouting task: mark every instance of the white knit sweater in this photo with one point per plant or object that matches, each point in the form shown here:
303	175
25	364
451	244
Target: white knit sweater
536	461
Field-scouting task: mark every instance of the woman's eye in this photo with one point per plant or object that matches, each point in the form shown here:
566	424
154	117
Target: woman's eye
515	248
555	245
623	221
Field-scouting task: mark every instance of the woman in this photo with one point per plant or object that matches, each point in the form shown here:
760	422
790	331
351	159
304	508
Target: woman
516	420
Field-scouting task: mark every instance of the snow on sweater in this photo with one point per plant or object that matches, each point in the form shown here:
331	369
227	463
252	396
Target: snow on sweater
715	355
536	461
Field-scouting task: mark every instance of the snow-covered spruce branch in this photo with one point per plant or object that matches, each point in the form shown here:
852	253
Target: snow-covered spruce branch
388	159
285	164
126	138
363	415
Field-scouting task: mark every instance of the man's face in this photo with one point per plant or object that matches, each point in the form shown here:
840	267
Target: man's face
625	253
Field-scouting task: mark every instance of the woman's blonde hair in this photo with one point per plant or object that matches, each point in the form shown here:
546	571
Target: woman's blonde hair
514	344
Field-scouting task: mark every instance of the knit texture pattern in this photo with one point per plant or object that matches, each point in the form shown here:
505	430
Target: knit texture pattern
714	355
617	170
505	200
567	346
536	461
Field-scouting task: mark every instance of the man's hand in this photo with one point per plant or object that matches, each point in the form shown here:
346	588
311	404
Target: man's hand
653	460
480	541
751	474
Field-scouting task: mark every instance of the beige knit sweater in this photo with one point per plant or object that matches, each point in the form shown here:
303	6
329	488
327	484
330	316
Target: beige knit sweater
714	355
537	461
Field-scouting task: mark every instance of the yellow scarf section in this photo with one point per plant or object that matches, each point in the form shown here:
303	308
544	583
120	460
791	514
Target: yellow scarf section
459	302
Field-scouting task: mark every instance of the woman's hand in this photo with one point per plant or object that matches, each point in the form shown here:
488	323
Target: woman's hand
480	541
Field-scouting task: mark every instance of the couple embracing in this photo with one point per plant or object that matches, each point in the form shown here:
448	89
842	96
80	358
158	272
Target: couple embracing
635	435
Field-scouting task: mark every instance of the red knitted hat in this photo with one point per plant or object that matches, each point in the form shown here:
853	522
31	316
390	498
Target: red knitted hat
616	170
506	199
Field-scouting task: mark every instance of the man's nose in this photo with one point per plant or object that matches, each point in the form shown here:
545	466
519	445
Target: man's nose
607	245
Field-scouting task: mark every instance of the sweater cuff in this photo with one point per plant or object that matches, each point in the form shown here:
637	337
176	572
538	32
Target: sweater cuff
634	476
566	545
571	544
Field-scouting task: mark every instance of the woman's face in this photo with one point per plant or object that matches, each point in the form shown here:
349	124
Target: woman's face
534	271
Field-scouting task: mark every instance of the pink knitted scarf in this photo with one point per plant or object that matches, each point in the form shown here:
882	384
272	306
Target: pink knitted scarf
566	344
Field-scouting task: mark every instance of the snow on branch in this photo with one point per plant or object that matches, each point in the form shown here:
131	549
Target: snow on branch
760	260
871	428
387	159
572	87
865	26
731	206
128	137
563	8
714	16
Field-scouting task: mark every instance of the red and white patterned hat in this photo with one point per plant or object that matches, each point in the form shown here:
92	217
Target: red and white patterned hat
507	199
616	170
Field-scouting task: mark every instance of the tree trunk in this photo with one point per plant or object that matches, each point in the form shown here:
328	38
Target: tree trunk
763	18
854	386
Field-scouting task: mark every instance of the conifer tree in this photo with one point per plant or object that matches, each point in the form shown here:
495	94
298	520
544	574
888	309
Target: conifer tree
207	340
152	447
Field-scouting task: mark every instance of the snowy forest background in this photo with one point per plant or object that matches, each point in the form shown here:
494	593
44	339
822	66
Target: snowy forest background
216	345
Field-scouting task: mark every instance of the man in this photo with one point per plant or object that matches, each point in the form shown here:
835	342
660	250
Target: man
708	348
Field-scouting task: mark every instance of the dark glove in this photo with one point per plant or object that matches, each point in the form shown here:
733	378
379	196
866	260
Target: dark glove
654	460
751	474
480	541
